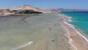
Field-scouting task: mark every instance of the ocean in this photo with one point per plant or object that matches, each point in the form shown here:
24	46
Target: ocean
79	20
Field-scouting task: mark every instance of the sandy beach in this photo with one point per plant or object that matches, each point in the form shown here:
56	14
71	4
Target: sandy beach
40	32
37	32
76	39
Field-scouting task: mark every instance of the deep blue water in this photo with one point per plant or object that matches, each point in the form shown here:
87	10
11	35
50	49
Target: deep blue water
79	20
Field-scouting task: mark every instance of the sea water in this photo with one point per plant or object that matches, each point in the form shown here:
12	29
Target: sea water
79	20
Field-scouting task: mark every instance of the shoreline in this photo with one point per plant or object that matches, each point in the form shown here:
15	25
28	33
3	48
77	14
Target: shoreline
76	31
76	39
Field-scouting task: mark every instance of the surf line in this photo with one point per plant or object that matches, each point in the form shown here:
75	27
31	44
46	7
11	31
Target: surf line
70	40
22	46
77	31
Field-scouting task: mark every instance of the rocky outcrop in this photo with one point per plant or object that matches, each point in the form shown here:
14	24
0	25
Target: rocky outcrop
5	12
27	9
34	9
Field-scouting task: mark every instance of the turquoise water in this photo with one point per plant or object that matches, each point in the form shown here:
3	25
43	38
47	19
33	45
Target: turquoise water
79	20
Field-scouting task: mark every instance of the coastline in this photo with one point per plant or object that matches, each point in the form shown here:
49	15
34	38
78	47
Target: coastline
76	39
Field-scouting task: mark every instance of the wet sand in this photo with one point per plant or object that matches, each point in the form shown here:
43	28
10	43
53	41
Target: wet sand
76	39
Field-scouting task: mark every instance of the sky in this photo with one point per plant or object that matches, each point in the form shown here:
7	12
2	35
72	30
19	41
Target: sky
66	4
